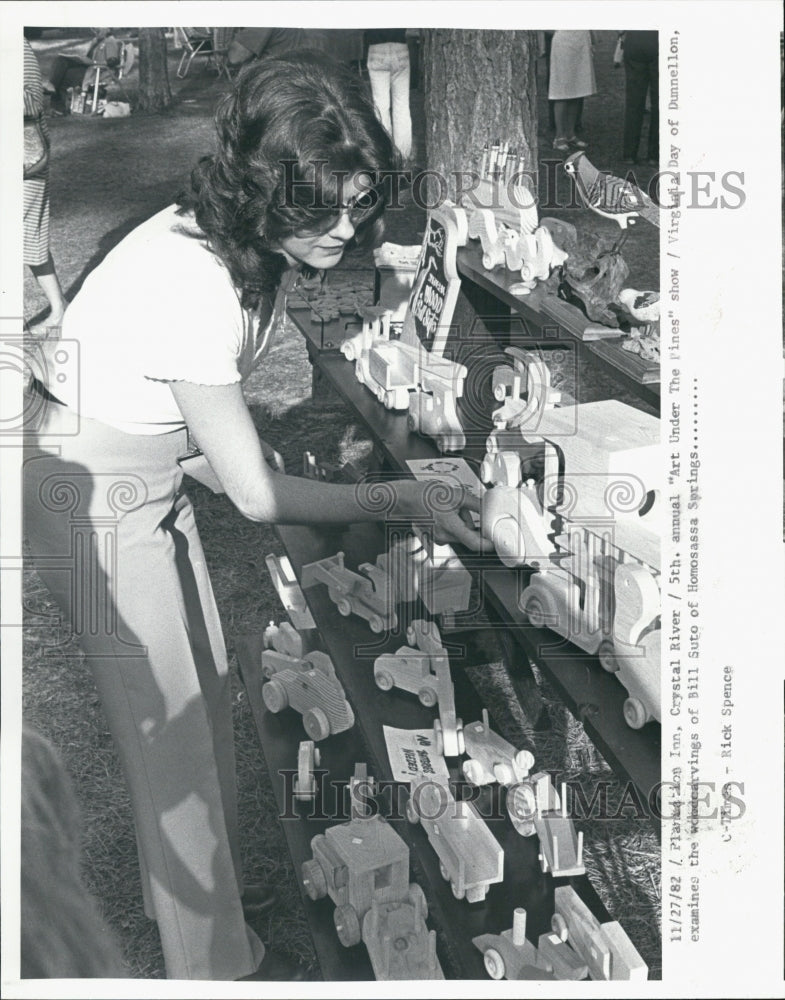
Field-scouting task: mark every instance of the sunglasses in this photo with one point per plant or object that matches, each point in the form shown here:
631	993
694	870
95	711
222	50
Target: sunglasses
360	210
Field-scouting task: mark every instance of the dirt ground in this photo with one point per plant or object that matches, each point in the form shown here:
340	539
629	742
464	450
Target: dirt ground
106	177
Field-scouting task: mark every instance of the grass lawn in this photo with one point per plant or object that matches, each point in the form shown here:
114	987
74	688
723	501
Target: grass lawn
106	177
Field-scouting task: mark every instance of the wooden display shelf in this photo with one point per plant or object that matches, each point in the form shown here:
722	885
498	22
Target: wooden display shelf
543	322
593	695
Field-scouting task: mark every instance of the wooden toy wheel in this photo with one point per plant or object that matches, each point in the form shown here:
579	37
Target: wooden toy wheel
274	696
427	697
389	399
438	737
500	393
376	624
384	680
456	891
348	351
635	714
607	655
347	925
417	897
313	879
559	927
316	724
494	964
344	606
473	772
411	812
521	806
443	872
534	610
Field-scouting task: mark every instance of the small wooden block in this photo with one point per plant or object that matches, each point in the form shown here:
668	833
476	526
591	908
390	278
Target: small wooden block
626	963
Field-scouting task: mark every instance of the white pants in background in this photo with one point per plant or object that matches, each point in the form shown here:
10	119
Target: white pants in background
388	70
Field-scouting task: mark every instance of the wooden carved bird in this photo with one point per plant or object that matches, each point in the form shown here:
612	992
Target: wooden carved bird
608	196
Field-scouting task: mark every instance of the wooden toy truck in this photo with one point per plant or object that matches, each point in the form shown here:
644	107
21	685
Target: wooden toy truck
470	857
399	943
510	955
561	848
368	596
597	583
606	949
360	864
492	757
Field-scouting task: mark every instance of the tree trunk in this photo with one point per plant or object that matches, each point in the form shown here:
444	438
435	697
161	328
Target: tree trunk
480	86
154	92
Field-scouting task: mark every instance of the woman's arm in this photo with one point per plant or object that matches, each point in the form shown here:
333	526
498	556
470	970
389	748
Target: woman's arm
218	419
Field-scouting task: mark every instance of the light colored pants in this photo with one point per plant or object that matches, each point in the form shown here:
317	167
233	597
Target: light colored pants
388	70
115	541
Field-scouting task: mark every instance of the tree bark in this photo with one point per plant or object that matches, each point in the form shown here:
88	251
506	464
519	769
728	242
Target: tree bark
480	86
154	91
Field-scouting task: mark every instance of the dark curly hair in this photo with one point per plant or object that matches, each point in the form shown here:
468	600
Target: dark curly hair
289	134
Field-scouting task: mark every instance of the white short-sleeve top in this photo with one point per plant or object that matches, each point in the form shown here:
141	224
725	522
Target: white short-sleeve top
160	307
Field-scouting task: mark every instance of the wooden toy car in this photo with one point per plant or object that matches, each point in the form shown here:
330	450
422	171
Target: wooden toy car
310	687
470	857
368	596
492	757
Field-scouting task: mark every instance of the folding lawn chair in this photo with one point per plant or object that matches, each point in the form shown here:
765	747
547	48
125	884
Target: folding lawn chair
206	42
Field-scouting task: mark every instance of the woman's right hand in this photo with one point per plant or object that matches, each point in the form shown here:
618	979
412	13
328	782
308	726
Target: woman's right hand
442	511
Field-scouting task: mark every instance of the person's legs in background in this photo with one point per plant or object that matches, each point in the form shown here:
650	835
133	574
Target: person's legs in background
46	276
379	75
565	113
654	119
401	114
636	75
